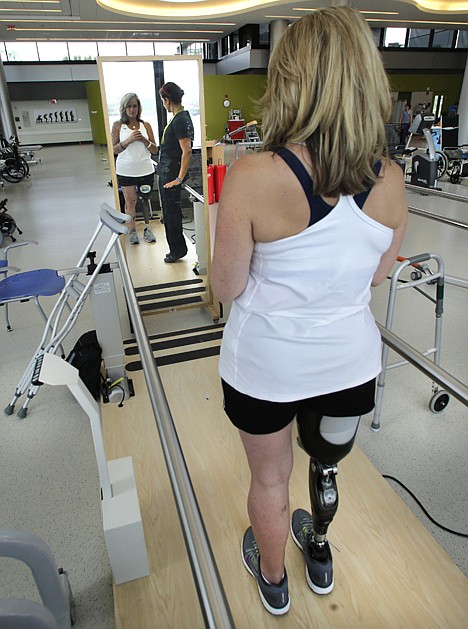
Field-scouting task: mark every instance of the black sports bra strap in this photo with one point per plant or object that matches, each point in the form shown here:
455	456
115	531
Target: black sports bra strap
318	207
361	197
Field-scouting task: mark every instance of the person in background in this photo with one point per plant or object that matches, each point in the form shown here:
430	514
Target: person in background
174	162
304	229
406	119
133	143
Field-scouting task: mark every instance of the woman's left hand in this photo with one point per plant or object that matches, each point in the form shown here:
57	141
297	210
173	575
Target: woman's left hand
171	184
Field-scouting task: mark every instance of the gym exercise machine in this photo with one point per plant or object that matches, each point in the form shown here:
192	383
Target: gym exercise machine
121	516
424	170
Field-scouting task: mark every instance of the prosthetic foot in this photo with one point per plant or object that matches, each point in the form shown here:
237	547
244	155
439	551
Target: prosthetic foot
326	440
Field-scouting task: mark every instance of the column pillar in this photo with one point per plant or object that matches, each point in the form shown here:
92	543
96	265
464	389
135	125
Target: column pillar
277	28
463	109
7	120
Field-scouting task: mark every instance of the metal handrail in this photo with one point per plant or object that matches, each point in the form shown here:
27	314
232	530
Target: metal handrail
437	217
429	368
213	602
194	193
436	193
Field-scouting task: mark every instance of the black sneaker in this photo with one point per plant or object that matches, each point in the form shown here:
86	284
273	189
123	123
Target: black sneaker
275	598
319	562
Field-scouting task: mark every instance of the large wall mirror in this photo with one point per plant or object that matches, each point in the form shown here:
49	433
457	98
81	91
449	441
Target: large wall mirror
162	287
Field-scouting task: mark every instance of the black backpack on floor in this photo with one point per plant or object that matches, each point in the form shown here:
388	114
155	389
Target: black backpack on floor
86	356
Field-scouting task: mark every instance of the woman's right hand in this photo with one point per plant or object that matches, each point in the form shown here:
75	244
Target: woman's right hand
135	136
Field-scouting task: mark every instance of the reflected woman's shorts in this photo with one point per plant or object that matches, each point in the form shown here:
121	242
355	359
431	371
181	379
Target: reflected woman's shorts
261	417
145	180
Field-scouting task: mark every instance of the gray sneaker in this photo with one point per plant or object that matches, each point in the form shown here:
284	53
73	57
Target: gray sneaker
148	235
319	562
275	598
134	240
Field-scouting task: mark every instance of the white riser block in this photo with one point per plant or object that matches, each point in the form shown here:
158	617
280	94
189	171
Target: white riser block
123	528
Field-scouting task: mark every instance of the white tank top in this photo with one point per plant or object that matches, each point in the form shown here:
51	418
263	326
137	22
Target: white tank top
136	160
302	327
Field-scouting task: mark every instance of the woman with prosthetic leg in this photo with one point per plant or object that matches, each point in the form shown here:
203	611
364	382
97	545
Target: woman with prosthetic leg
304	229
327	440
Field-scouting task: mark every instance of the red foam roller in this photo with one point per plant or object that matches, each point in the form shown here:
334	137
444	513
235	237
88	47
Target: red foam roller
219	174
211	184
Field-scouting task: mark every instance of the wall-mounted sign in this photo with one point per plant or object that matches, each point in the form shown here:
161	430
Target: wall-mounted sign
61	116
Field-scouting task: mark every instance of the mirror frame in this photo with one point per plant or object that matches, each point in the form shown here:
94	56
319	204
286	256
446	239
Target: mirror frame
211	303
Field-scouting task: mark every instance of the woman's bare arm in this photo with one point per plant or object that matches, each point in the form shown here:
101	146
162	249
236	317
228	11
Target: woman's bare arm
234	242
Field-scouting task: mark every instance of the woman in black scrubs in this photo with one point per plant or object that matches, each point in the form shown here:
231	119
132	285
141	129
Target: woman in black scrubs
175	154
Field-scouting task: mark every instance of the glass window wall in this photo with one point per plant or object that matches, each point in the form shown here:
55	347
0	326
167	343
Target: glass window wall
82	51
395	37
21	51
111	48
53	51
443	38
140	48
419	38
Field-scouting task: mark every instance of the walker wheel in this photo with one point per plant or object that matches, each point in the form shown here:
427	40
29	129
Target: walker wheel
416	275
439	401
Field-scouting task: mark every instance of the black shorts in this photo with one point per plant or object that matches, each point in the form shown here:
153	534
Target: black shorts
144	180
261	417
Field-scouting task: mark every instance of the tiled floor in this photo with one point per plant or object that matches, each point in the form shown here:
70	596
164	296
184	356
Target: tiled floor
48	474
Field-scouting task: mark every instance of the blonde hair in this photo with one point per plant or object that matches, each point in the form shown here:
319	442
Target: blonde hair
327	88
124	103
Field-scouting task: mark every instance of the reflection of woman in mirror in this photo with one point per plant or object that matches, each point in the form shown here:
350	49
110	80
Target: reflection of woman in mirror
174	161
133	142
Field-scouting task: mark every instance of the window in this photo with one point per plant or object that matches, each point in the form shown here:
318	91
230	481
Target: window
166	48
419	38
194	49
140	48
21	51
264	34
111	48
462	39
3	55
52	51
82	51
443	39
395	37
377	34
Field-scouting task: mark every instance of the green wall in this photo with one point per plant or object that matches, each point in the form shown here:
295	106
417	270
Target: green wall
242	91
96	115
447	84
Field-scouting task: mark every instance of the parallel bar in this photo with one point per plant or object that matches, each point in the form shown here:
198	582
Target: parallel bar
211	594
436	193
194	193
437	217
442	377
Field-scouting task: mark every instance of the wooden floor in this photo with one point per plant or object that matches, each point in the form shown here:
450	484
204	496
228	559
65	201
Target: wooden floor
389	572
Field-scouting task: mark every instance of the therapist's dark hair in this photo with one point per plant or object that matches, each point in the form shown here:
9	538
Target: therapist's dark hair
172	92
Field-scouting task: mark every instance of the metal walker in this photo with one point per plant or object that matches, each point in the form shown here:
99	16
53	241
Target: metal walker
422	274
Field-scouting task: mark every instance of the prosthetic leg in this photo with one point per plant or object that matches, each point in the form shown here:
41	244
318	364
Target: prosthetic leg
326	440
144	193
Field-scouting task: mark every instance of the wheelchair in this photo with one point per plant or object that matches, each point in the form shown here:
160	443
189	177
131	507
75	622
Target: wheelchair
8	224
453	162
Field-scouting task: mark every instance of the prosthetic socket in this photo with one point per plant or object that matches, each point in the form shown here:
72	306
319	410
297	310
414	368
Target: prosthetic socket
326	440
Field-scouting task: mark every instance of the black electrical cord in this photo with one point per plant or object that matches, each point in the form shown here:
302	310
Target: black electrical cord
441	526
120	404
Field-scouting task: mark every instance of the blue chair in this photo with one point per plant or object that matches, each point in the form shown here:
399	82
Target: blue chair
28	285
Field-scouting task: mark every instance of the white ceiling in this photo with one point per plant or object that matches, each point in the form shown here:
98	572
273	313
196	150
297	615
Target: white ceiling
86	20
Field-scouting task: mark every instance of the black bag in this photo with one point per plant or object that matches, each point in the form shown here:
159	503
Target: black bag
86	356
